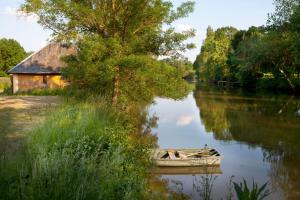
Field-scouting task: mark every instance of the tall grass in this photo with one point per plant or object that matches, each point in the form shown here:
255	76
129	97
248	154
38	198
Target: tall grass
5	84
82	151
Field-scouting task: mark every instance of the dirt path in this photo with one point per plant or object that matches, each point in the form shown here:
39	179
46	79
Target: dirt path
18	115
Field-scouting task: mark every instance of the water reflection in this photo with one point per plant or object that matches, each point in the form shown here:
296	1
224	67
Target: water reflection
258	135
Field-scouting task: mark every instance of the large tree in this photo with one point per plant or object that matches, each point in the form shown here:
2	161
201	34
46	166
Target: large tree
246	58
11	53
118	41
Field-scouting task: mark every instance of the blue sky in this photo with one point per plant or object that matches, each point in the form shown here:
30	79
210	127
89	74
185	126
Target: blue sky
217	13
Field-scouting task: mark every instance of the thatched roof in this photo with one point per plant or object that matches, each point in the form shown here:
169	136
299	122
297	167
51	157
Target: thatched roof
48	60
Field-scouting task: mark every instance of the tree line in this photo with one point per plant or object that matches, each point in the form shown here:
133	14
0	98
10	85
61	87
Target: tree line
265	57
11	53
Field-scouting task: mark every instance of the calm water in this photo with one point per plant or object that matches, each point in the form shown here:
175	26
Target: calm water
259	137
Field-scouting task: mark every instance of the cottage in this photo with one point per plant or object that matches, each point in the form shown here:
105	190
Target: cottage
42	69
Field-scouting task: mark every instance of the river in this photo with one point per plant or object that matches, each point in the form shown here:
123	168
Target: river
257	134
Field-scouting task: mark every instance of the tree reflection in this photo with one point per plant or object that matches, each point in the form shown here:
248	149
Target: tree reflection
137	112
268	122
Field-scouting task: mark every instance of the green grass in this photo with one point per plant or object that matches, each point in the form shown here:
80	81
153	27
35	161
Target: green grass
44	92
5	84
82	151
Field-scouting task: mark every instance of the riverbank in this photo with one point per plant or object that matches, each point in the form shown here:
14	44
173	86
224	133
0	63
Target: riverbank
236	88
82	151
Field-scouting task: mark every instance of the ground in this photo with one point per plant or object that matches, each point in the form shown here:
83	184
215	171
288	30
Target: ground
18	115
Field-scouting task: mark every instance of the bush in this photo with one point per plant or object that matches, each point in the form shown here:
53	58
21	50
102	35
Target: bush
82	151
5	85
3	74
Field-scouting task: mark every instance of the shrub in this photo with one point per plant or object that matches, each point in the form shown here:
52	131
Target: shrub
3	74
5	85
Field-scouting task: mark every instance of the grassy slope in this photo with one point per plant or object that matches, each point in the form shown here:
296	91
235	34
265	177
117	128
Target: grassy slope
82	151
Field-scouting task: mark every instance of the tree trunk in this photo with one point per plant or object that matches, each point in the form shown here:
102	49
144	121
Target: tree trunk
115	92
287	78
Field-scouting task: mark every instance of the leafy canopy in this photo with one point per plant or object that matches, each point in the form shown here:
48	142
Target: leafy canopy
137	23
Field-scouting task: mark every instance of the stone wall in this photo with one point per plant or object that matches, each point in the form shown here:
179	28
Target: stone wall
23	83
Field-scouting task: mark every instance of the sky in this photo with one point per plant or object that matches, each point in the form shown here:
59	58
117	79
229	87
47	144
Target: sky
216	13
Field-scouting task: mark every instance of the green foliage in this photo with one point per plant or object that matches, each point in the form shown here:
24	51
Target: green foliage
183	66
256	193
283	12
100	67
138	24
45	92
3	74
118	43
295	29
245	60
11	53
5	84
249	54
82	151
211	64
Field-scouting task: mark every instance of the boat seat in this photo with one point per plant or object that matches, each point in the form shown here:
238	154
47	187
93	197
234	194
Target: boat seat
182	155
172	155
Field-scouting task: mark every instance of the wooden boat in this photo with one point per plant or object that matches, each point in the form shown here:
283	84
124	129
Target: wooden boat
187	157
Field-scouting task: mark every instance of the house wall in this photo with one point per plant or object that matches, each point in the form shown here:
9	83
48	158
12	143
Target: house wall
55	81
23	83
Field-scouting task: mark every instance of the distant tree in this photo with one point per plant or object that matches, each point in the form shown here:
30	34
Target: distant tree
246	58
183	67
280	55
11	53
211	64
266	56
201	60
295	29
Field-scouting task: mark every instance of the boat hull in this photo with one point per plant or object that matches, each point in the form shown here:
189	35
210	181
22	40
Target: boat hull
187	170
209	160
